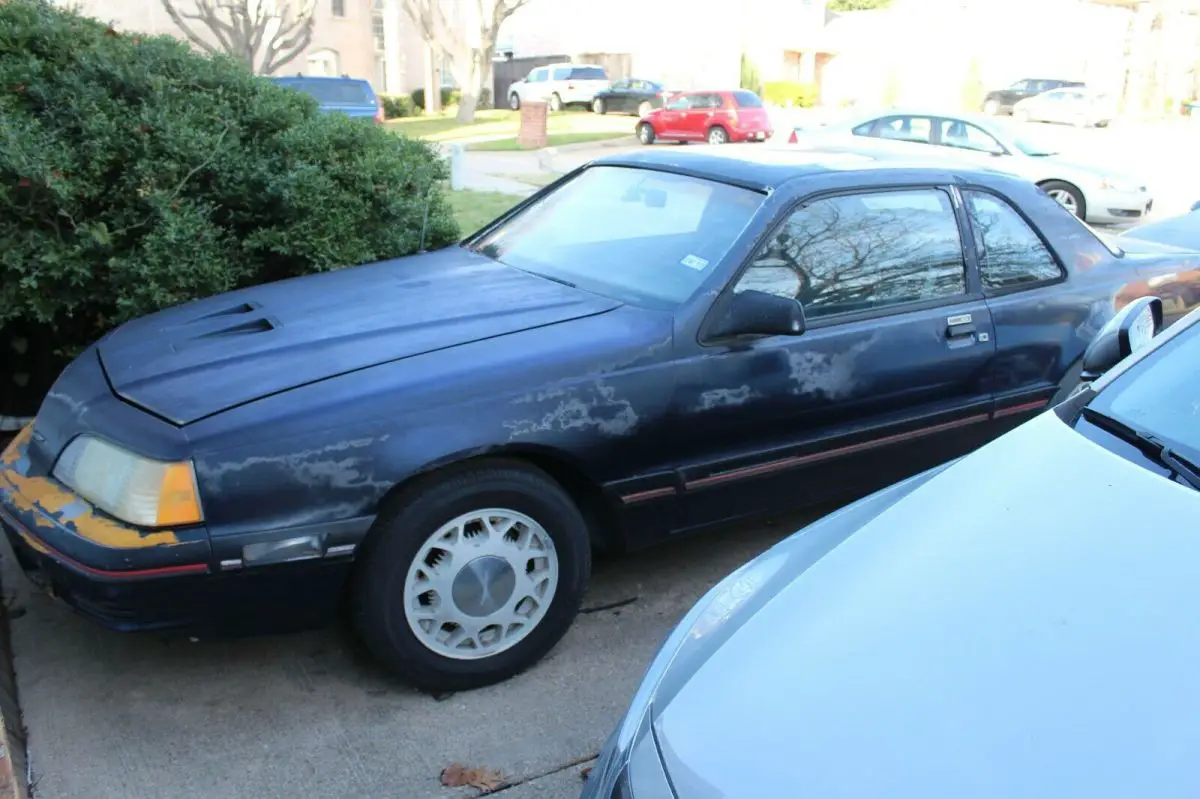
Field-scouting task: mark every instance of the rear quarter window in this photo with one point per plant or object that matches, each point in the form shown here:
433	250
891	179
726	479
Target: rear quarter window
588	73
334	92
746	99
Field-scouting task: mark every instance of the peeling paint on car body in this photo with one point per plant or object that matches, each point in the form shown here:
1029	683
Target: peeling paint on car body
303	404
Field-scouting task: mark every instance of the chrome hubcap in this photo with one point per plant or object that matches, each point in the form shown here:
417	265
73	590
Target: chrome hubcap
716	137
480	584
1065	199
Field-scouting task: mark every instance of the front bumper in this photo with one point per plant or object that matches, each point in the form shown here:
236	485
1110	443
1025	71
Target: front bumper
1107	206
127	579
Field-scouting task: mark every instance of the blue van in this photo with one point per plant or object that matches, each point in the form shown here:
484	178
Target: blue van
344	95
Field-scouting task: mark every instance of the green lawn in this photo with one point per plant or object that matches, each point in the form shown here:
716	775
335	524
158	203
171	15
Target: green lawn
474	209
502	122
552	140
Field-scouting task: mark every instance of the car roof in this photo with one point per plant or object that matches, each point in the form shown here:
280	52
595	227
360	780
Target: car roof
769	168
329	78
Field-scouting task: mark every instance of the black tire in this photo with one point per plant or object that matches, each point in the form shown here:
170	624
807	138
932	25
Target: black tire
402	529
598	106
645	133
717	135
514	101
556	103
1076	194
644	108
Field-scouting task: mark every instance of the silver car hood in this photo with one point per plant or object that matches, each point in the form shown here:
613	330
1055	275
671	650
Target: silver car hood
1026	623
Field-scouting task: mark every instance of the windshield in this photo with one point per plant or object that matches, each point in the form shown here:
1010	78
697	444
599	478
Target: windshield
638	235
1161	395
1031	144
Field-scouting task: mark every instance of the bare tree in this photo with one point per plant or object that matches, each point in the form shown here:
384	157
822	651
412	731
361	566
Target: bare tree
466	31
263	34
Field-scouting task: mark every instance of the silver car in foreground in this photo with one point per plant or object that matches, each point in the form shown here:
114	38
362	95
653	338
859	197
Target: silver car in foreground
1023	622
1096	193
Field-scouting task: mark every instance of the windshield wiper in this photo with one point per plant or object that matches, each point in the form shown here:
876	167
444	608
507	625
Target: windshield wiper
1149	444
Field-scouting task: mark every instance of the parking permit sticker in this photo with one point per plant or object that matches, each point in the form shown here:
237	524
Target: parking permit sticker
694	262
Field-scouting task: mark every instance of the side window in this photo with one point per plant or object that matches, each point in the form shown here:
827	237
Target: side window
680	103
1010	253
965	136
911	129
620	86
560	73
864	129
863	252
537	76
1021	86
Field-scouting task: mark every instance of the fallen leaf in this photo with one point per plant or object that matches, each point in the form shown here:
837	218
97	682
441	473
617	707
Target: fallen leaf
459	776
583	775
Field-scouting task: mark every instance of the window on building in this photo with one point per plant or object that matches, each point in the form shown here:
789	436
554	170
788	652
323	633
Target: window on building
377	31
338	7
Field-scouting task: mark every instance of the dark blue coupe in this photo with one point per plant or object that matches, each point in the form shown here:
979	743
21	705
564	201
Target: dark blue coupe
656	344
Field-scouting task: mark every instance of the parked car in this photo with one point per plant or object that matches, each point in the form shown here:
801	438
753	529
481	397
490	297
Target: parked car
633	96
1095	192
1020	622
1074	106
1002	101
715	117
560	85
442	439
345	95
1182	231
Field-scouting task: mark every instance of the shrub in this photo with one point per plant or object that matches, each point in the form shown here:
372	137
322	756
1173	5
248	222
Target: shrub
748	76
449	97
137	174
485	99
783	92
396	106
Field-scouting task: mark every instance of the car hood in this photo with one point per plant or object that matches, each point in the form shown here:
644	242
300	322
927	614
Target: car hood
1024	623
198	359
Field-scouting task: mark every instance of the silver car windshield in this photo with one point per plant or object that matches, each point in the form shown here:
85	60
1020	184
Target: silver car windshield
638	235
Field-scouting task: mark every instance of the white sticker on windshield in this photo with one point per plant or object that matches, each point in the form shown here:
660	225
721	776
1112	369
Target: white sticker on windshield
694	262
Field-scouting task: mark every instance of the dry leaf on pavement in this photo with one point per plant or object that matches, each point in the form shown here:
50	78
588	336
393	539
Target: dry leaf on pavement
485	779
583	775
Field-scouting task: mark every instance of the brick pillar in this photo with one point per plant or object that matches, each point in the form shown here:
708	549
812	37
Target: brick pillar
532	133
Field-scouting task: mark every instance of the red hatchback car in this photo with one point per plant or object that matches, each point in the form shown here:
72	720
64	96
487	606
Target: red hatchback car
715	117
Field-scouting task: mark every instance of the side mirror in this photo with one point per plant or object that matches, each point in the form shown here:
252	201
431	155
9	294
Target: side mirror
756	313
1132	329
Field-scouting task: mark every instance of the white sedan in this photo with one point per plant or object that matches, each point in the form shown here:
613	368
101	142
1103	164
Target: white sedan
1092	192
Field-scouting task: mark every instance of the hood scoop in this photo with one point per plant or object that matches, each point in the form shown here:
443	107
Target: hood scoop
237	329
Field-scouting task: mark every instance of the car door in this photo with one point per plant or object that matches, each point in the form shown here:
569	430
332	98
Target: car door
700	111
901	134
616	97
671	118
534	89
898	336
962	139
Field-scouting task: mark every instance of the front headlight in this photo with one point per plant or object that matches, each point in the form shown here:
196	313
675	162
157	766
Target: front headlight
134	489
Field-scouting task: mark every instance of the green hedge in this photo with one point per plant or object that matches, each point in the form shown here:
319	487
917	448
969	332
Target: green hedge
397	106
136	174
449	97
781	92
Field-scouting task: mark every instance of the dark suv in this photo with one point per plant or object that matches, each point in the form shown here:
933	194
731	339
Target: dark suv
345	95
1001	101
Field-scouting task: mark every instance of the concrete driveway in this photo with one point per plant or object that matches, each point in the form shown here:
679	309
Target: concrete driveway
112	715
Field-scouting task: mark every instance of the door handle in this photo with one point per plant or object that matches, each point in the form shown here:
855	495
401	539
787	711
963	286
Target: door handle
960	331
960	326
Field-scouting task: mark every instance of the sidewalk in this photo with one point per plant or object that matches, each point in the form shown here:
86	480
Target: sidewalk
504	171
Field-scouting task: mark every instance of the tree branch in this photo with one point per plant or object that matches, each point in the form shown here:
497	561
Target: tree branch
241	32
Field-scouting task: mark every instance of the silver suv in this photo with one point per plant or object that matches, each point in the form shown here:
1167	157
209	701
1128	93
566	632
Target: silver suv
560	85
